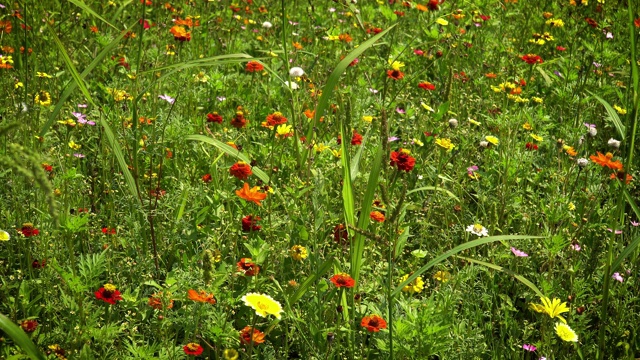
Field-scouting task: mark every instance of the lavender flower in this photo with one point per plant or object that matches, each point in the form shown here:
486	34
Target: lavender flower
167	98
529	347
79	156
520	253
618	277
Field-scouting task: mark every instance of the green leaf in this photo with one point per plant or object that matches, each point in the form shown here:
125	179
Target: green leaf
520	278
545	76
20	338
86	8
613	115
347	188
457	249
302	289
231	152
634	244
434	188
115	147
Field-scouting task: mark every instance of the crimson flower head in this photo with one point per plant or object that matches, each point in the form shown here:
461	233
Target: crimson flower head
27	230
356	139
254	66
109	294
239	121
434	5
241	170
532	59
531	146
193	349
427	86
214	117
249	268
250	223
206	178
108	230
395	74
343	280
402	160
36	264
340	234
373	323
29	326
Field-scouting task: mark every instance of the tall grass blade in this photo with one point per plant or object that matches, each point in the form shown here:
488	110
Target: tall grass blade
355	162
231	152
520	278
332	82
20	338
86	8
115	146
457	249
634	244
347	189
434	188
612	115
71	86
310	281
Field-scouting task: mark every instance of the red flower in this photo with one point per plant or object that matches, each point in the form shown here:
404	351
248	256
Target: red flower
29	325
356	139
206	178
620	175
531	146
247	267
343	280
373	323
250	223
399	13
591	22
532	59
274	119
249	335
144	23
193	349
48	168
434	4
214	117
254	66
560	48
241	170
340	234
395	74
39	265
427	86
109	294
239	120
402	160
109	231
636	22
377	216
27	230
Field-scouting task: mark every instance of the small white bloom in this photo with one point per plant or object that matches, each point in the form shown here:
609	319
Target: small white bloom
593	132
478	229
453	123
296	71
484	143
613	143
292	85
267	25
582	162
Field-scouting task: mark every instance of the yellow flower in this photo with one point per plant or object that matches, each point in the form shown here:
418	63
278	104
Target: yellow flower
18	85
337	153
475	122
119	95
230	354
284	130
417	142
74	146
565	332
427	107
552	308
537	100
416	286
4	236
492	139
536	137
571	206
555	22
442	22
334	37
367	118
263	304
396	65
442	276
445	143
527	126
43	98
620	110
298	252
43	75
109	287
318	148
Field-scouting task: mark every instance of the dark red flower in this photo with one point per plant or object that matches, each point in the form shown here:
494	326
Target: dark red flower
29	326
591	22
373	323
531	146
206	178
241	170
395	74
434	5
356	139
39	265
340	234
193	349
247	267
214	117
485	17
108	230
343	280
274	119
27	230
399	13
239	121
402	160
560	48
250	223
532	59
254	66
427	86
109	294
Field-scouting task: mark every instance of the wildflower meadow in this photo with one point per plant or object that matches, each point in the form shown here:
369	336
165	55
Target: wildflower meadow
319	179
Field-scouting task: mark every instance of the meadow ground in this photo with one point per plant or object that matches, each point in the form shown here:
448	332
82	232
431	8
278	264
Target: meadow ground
305	179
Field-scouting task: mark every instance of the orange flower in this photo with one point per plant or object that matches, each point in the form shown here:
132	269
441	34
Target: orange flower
605	160
309	113
420	7
491	75
377	216
395	74
252	194
240	170
180	33
5	26
249	335
156	301
202	296
343	280
248	267
254	66
345	37
373	323
621	175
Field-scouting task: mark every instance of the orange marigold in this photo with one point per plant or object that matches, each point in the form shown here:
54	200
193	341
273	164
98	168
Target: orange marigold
605	160
251	194
201	296
180	33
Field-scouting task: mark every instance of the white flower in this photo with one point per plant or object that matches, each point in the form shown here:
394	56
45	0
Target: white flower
484	143
292	85
593	132
453	123
582	162
478	229
267	25
613	143
296	71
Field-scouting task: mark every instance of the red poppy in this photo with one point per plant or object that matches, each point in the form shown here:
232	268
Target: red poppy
356	139
247	267
241	170
193	349
373	323
239	121
531	146
109	294
340	234
29	326
249	335
214	117
402	160
254	66
206	178
532	59
427	86
250	223
343	280
395	74
27	230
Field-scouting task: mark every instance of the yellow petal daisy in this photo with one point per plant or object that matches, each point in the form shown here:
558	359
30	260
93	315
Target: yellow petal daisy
565	332
263	304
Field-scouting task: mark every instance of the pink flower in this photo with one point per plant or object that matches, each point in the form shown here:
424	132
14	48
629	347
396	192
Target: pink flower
576	247
167	98
529	347
617	276
418	52
618	232
519	253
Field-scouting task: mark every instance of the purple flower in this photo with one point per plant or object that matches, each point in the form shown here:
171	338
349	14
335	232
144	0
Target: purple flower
520	253
82	105
471	169
617	276
477	24
558	74
2	6
79	156
529	347
80	116
393	138
167	98
597	64
589	126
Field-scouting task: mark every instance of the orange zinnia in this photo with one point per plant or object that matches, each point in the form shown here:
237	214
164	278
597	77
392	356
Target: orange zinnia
249	335
605	160
252	194
180	33
241	170
201	296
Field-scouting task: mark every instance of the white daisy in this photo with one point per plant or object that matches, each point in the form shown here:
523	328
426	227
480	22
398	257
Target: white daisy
478	229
